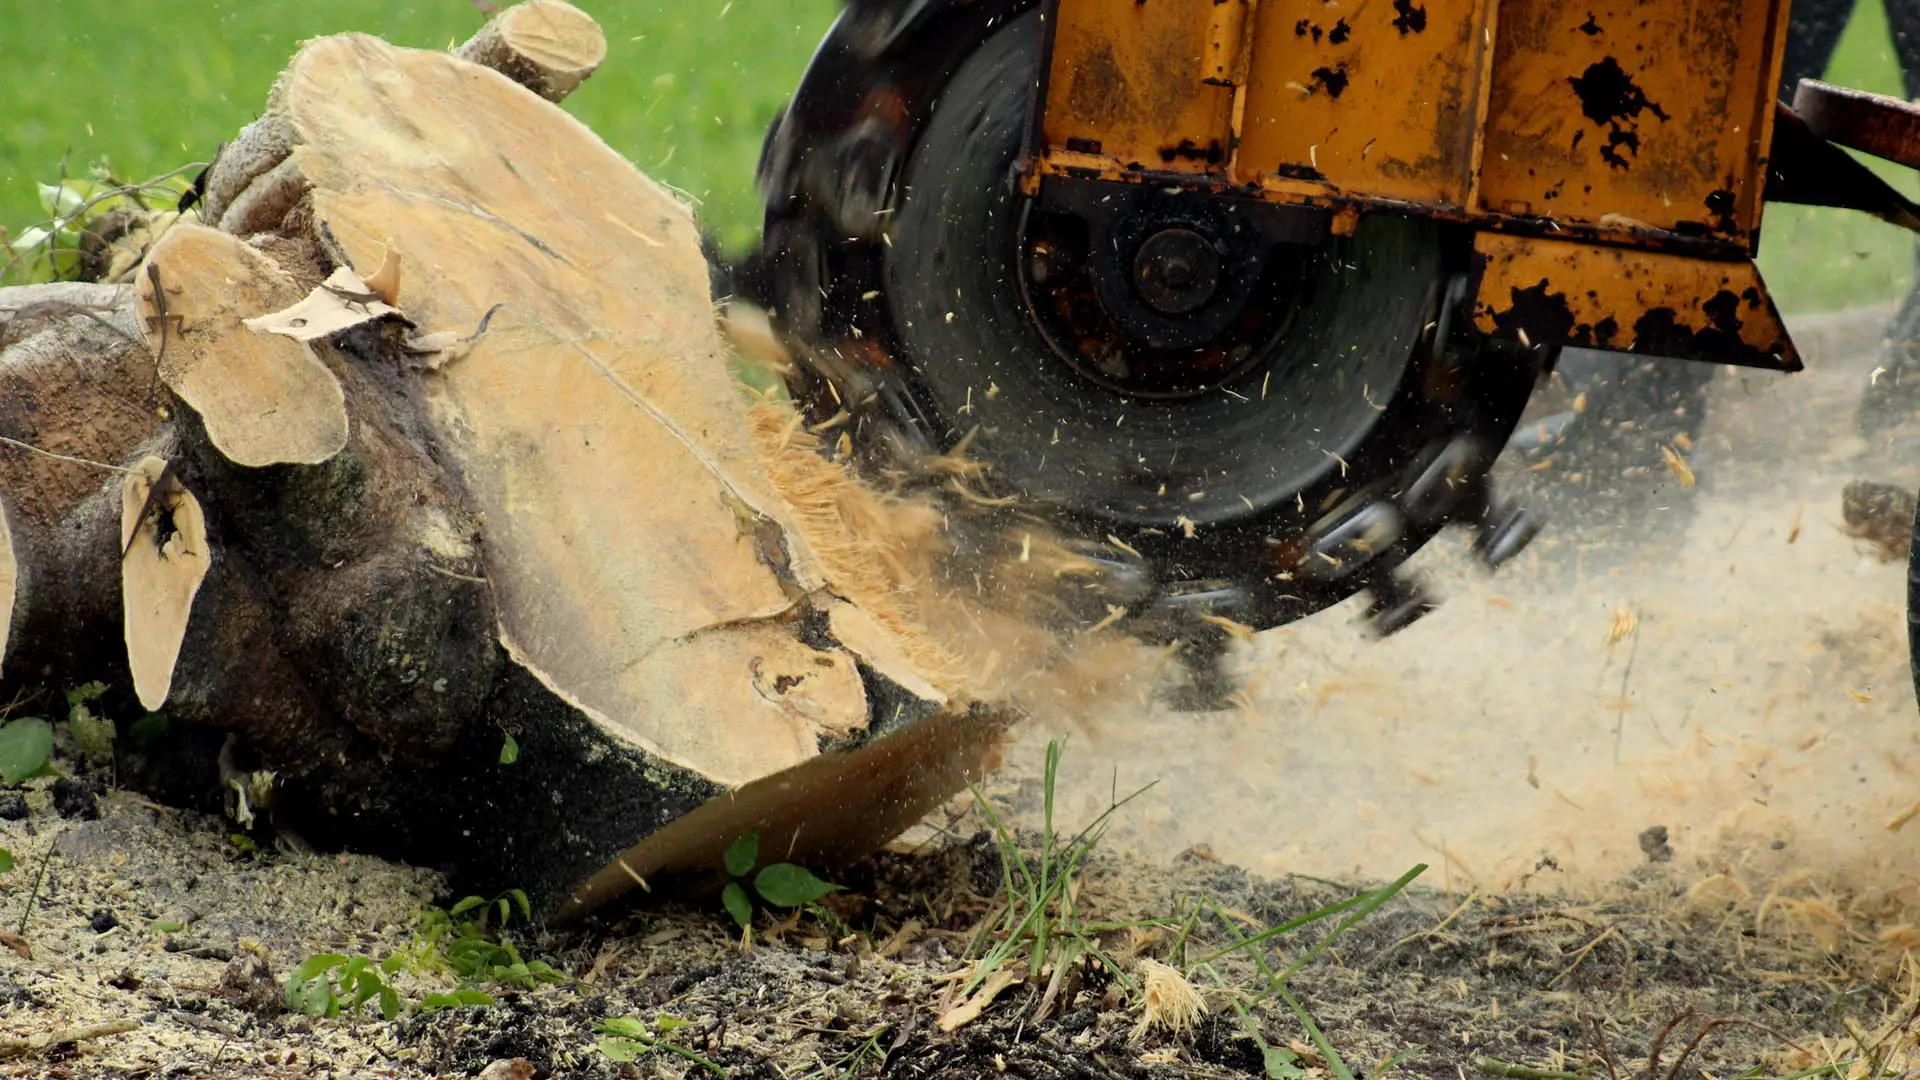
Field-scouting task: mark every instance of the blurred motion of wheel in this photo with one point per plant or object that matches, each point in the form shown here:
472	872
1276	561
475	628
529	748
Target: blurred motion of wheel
1264	415
1588	451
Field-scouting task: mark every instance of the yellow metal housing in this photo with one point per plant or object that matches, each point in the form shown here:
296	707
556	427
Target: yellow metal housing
1610	154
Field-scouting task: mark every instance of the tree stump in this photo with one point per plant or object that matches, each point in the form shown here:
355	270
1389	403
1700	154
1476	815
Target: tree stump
420	445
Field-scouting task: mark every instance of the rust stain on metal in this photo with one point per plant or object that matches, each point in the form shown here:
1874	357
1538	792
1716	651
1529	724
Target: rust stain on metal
1554	292
1380	101
1610	99
1136	79
1638	127
1628	110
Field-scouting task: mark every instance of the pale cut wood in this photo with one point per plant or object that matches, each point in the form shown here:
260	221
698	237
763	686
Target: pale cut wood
159	577
265	399
646	518
547	46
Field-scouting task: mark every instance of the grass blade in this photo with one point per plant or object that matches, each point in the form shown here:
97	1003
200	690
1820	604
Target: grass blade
1339	1067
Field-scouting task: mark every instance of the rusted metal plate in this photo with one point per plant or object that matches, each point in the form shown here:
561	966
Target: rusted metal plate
1632	112
1144	86
1371	98
1629	300
1885	127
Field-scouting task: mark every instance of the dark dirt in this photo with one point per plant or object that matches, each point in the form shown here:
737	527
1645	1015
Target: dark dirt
159	917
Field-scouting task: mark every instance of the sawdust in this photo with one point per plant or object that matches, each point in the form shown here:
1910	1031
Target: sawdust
980	603
1724	661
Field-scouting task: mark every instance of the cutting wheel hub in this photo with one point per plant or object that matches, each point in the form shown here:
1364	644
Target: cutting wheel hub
1176	271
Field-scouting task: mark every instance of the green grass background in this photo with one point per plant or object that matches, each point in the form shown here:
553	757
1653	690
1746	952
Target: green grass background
686	93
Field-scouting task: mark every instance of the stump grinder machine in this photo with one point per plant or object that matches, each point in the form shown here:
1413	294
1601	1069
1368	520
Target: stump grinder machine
1246	296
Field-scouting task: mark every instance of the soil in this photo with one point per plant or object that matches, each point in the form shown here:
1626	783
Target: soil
1663	844
156	916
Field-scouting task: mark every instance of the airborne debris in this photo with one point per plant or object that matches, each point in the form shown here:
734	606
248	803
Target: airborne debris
1623	625
1677	465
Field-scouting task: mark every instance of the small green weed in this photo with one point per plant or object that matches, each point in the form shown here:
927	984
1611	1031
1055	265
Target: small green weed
332	984
1040	919
146	732
781	884
870	1052
1283	1064
93	733
465	942
630	1039
1039	922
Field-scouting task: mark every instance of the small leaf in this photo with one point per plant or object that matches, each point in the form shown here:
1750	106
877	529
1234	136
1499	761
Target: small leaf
509	750
25	746
465	905
311	996
6	861
629	1027
1282	1064
520	899
737	904
787	885
666	1022
743	853
306	972
622	1051
463	996
174	928
389	1003
365	989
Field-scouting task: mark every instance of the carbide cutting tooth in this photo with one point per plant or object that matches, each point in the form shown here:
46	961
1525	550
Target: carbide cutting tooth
1399	601
1504	531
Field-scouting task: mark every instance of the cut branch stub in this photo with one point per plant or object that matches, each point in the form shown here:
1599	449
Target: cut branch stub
547	46
265	399
165	537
